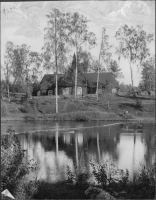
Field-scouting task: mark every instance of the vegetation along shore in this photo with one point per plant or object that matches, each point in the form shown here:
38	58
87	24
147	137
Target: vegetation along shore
82	109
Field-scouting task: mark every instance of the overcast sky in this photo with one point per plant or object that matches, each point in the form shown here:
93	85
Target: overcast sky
24	22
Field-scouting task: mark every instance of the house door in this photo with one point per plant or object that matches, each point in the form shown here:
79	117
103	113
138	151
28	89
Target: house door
66	91
50	93
79	90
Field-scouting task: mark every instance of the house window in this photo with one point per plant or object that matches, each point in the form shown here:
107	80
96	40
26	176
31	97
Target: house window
114	91
50	93
79	90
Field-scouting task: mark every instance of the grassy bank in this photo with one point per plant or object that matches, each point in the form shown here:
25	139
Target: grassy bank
81	109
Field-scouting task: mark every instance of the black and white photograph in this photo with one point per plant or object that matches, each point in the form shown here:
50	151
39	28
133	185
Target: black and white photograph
78	100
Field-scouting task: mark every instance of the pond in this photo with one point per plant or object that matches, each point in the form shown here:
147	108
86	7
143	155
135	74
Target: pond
54	145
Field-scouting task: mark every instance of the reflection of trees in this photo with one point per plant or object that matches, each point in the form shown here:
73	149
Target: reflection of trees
96	141
79	145
149	139
106	141
98	149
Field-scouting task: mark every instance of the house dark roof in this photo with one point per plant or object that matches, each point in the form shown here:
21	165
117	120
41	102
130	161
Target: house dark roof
86	78
48	80
104	78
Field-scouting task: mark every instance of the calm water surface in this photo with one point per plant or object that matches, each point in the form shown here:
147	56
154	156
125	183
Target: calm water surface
54	145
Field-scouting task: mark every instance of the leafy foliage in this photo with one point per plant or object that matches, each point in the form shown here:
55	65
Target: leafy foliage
115	69
78	36
14	165
70	176
77	31
3	109
138	104
55	48
84	59
83	63
147	82
107	174
95	66
133	44
123	88
104	55
117	182
79	178
21	66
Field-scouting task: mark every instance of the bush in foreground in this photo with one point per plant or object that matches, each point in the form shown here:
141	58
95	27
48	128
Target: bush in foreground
107	176
14	166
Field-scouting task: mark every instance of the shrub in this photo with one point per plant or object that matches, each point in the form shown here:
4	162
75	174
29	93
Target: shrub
107	174
3	109
81	117
144	184
117	182
14	165
82	180
71	177
77	178
138	104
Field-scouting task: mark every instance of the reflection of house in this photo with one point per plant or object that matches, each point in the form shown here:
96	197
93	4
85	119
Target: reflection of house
86	83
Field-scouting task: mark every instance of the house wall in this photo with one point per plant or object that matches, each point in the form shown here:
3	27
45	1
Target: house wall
84	90
71	90
91	90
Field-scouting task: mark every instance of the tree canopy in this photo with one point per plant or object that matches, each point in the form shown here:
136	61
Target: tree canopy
21	65
115	69
133	44
55	41
147	82
78	36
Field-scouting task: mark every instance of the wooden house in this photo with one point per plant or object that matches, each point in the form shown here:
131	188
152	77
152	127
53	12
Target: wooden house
86	83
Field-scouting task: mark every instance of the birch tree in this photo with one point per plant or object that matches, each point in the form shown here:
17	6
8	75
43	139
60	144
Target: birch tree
133	45
26	67
21	66
54	49
78	35
8	63
104	55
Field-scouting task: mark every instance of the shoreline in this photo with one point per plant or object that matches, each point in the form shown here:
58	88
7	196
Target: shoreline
46	118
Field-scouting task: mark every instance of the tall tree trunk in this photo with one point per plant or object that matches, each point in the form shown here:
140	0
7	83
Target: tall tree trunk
76	151
8	83
131	73
56	141
56	89
56	92
97	87
27	83
98	147
76	74
8	91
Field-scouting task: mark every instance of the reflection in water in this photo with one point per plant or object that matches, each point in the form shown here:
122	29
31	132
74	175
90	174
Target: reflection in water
98	147
125	144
